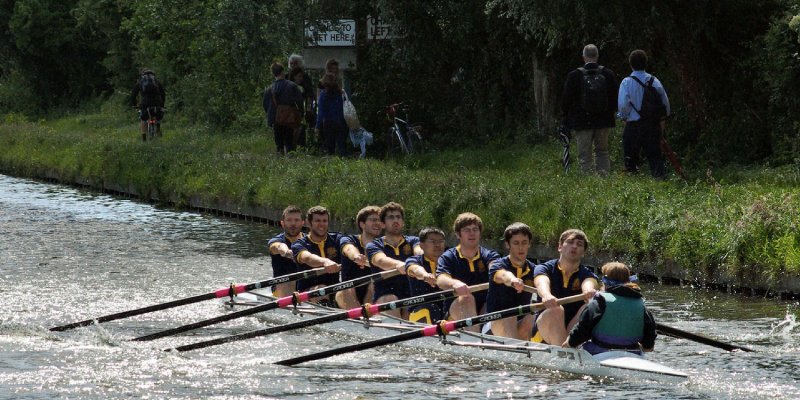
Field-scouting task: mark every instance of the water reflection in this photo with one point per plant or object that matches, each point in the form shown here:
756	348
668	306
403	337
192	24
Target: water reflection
54	204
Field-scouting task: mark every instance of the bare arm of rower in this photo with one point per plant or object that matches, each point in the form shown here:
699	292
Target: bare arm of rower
418	272
354	255
387	263
418	250
280	249
316	261
509	279
542	283
447	282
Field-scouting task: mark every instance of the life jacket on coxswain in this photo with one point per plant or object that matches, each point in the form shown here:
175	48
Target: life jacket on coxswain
622	324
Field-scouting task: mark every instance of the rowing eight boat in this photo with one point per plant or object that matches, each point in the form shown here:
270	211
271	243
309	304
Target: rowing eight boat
613	364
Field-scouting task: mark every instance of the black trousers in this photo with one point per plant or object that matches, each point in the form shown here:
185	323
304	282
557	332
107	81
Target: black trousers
284	137
643	137
335	135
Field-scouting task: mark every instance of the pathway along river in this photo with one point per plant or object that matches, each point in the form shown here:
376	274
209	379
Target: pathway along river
68	255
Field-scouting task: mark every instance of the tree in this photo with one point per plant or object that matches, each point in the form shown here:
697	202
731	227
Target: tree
54	55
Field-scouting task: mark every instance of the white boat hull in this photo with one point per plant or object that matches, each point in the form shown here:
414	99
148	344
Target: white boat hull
613	364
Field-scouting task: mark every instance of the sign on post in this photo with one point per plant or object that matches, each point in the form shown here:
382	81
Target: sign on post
330	33
380	29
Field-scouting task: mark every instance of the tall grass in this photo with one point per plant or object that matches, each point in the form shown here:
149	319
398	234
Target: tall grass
737	221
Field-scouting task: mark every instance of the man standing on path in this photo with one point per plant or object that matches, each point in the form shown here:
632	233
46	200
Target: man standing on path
280	249
282	92
588	104
645	118
558	278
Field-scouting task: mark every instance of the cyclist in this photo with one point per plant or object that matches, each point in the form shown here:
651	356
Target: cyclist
152	93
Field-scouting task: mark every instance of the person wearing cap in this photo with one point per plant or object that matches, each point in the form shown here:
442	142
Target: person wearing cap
615	319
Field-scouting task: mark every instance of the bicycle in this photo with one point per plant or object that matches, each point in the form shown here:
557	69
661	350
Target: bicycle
154	115
402	136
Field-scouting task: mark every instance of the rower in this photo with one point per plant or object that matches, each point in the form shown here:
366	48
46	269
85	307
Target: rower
465	265
354	260
280	249
319	248
507	279
390	252
617	319
421	271
562	277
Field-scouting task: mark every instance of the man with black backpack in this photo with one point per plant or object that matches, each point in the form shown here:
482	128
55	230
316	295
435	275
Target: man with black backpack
152	99
588	104
644	106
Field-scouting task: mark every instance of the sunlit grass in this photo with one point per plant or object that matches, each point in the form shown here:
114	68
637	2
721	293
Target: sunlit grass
736	221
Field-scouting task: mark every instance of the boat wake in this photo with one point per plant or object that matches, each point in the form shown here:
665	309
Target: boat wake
788	331
15	329
99	336
787	327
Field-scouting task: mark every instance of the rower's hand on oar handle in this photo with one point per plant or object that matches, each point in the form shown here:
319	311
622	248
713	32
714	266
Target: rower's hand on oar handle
430	279
332	267
361	260
549	301
461	289
401	268
287	253
518	284
589	294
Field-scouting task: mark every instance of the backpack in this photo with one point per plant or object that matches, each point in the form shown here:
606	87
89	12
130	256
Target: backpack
285	115
594	93
652	109
148	85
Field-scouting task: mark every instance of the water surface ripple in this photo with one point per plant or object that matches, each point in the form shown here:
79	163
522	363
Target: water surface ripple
68	255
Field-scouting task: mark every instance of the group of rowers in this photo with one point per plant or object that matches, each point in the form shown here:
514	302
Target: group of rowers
615	318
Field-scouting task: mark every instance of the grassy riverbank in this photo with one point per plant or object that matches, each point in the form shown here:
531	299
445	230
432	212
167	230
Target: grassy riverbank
737	222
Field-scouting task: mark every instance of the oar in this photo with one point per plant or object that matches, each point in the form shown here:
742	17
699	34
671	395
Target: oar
681	334
678	333
279	303
365	310
442	328
233	289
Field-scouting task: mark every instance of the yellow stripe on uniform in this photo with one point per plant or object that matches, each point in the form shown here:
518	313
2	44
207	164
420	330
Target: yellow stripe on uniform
422	315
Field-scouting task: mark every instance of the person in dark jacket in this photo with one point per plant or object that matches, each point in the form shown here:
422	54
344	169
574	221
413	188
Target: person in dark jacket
615	319
330	116
153	97
298	76
588	103
296	61
285	93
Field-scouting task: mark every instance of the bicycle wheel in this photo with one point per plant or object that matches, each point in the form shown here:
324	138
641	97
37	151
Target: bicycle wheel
414	142
151	130
394	145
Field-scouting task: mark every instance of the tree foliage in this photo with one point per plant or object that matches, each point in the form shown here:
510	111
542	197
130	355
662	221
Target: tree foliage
474	71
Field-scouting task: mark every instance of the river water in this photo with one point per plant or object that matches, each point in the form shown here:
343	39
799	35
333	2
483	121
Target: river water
68	255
